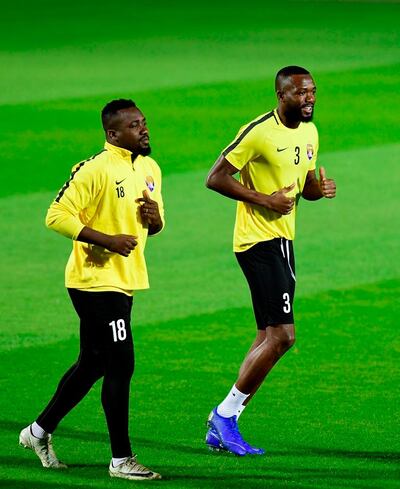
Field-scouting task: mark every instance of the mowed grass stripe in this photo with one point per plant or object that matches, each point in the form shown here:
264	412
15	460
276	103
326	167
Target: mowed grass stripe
340	243
66	53
83	24
326	414
190	125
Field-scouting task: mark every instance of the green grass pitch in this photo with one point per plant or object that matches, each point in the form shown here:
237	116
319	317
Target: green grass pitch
328	413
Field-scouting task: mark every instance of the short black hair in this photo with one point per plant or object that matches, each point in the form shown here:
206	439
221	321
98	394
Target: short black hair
288	71
111	109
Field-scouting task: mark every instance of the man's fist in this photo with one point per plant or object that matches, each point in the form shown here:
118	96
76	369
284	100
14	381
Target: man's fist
279	202
122	244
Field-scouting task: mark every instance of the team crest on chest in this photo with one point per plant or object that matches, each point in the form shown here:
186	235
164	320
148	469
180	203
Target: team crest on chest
310	151
150	183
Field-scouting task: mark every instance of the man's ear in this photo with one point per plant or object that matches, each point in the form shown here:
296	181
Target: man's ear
111	134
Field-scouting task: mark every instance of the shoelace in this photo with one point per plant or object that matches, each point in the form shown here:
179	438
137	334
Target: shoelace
44	445
136	467
46	448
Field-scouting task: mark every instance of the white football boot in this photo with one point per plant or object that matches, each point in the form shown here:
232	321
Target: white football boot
42	447
131	469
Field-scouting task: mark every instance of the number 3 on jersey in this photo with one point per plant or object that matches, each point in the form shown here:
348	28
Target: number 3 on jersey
297	159
118	329
286	298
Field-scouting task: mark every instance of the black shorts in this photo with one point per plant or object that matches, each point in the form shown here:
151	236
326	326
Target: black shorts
105	321
270	272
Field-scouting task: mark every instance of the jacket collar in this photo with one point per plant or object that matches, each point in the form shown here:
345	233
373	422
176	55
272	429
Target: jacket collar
121	152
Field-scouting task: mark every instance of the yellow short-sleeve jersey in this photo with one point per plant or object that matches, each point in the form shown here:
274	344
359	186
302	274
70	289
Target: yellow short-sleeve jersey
270	156
102	194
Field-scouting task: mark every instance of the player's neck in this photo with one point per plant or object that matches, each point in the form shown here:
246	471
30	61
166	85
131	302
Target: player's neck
286	121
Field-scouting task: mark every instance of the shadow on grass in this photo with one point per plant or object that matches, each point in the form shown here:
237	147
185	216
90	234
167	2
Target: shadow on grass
181	478
235	476
19	484
338	453
85	435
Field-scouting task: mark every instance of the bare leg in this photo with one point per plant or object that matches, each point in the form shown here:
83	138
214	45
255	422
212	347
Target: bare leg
261	336
268	347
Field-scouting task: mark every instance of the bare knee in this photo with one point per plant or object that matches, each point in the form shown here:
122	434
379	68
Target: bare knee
283	337
286	341
290	340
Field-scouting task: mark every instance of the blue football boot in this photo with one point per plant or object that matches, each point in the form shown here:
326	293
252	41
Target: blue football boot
213	443
253	450
227	432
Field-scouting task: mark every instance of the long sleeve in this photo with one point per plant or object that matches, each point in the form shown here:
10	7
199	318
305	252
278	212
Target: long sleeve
66	213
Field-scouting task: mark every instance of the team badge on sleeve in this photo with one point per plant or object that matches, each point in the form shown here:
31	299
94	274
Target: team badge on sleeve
150	183
310	151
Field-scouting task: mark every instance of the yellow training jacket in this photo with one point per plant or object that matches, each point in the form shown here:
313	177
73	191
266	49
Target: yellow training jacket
101	194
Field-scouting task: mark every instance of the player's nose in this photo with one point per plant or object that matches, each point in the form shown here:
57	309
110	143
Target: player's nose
310	98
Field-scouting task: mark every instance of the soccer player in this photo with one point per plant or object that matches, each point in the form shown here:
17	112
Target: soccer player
275	156
108	207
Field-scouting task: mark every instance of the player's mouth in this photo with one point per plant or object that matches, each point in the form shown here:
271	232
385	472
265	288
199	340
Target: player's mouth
145	140
308	109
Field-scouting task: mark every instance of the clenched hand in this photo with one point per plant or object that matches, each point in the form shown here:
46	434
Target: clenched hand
122	244
279	202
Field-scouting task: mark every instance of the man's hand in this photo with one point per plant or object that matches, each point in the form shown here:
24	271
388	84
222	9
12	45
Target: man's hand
122	244
327	185
149	211
279	202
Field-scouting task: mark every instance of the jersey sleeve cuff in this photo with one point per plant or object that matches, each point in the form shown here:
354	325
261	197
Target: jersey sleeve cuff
233	163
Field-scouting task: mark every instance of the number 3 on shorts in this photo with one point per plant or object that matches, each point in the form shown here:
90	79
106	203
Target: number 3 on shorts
119	330
286	298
